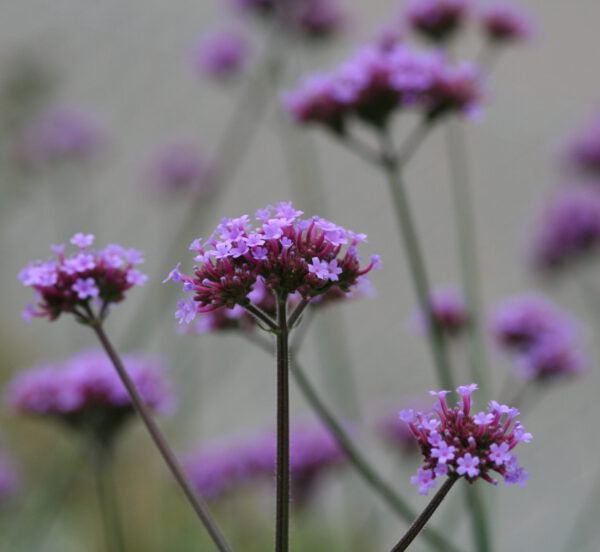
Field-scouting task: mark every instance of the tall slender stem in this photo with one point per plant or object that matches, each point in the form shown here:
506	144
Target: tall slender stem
479	518
283	429
465	228
107	499
196	501
393	171
429	510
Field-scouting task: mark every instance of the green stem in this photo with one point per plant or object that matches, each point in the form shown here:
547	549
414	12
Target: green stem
393	171
479	516
163	447
464	217
283	429
422	520
107	499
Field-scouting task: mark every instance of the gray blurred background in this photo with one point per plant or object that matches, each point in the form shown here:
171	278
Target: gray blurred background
127	61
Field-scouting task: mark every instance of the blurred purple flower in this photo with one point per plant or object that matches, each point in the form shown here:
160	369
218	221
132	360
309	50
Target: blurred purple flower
449	310
583	150
60	134
504	23
9	479
222	54
437	20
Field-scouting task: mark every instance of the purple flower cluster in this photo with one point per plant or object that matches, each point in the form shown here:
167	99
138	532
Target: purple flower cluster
395	432
222	54
541	336
503	23
449	311
456	442
583	151
59	134
86	392
376	82
221	468
311	18
179	168
437	20
68	283
9	479
290	254
569	228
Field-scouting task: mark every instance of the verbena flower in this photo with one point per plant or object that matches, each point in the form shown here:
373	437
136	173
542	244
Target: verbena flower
72	283
449	311
222	54
503	24
180	168
437	20
568	229
542	338
86	393
59	134
9	479
583	150
395	432
376	82
290	254
456	441
220	468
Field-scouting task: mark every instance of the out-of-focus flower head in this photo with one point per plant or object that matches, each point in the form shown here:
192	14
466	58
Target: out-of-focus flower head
395	432
437	20
220	468
542	338
222	54
568	229
504	24
85	391
582	152
179	168
60	134
9	479
290	254
70	283
376	82
456	442
449	311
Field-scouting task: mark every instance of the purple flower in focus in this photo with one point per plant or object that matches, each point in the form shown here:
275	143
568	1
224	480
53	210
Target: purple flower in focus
540	336
86	393
222	54
504	24
221	468
466	447
66	284
437	20
179	168
59	134
568	229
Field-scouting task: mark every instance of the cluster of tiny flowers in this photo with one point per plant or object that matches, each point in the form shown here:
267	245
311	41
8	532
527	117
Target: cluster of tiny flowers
394	431
290	255
448	311
377	81
583	150
311	18
222	54
503	23
541	336
179	168
221	468
568	229
68	283
85	391
9	479
59	134
455	442
437	20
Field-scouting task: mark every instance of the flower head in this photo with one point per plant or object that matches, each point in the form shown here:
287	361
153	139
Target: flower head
504	23
460	444
179	168
304	256
583	149
59	134
222	54
68	283
437	20
448	310
86	393
568	230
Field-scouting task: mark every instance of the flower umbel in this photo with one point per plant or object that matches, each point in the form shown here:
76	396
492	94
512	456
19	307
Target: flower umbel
456	442
68	283
286	253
